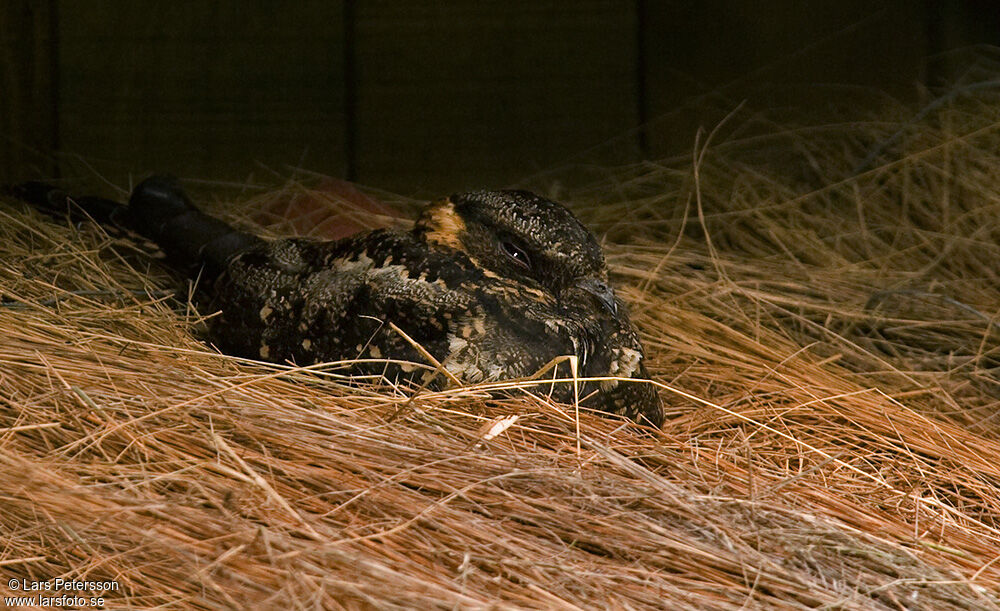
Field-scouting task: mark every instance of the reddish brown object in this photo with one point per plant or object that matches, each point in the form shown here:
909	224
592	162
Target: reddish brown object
333	209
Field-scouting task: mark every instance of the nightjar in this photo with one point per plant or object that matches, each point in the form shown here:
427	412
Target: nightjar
487	286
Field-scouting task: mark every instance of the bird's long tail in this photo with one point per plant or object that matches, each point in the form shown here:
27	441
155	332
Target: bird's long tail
158	210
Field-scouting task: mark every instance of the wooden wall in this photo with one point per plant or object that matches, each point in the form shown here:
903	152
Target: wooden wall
28	97
423	96
203	88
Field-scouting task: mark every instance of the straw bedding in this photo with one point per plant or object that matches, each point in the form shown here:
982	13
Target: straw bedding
825	336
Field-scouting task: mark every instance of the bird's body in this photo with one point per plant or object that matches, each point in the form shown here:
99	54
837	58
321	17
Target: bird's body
491	285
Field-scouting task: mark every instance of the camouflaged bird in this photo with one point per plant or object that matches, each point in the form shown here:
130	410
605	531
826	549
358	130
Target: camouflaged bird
493	285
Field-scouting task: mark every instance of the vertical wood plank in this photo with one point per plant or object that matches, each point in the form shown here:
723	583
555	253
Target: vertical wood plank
704	58
28	124
470	94
203	89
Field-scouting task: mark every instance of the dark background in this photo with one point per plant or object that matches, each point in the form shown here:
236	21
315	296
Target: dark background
424	97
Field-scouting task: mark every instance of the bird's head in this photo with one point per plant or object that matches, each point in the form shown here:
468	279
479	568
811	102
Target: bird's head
524	237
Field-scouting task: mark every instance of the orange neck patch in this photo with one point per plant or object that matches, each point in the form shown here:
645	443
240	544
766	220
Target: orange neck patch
442	225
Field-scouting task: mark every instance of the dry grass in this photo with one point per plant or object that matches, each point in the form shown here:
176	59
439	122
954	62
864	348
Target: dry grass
826	341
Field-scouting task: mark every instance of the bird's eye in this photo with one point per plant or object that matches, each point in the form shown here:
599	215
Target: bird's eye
517	254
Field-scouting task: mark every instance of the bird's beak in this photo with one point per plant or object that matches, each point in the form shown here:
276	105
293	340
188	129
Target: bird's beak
604	293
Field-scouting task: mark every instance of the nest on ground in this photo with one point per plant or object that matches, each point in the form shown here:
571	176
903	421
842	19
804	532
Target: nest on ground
824	334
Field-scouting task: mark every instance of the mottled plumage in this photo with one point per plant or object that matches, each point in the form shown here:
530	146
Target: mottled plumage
493	285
